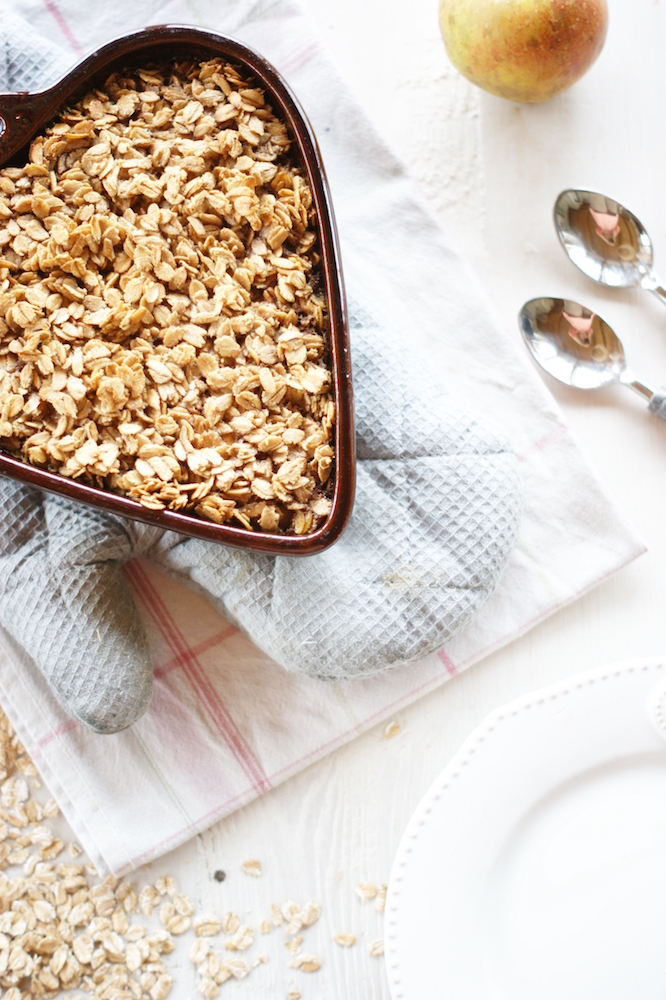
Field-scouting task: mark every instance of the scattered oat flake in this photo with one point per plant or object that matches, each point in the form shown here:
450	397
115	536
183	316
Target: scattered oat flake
377	947
51	809
199	950
366	890
344	940
230	922
310	913
161	987
66	931
293	995
178	924
392	729
306	963
265	926
149	897
239	968
207	925
291	911
380	899
208	988
183	905
294	945
252	867
241	940
166	886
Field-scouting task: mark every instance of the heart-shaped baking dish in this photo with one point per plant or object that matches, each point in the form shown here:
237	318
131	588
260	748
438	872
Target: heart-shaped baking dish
23	116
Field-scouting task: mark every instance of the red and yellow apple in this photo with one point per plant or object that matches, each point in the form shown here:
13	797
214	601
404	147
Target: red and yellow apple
524	50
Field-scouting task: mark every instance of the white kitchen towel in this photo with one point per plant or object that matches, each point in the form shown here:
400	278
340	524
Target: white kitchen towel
226	724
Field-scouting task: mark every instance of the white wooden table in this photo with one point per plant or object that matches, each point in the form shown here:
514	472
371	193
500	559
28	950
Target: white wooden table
491	170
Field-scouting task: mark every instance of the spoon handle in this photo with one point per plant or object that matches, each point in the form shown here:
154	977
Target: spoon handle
657	404
660	293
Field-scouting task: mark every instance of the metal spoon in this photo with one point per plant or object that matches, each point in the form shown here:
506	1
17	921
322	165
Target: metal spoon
606	241
577	347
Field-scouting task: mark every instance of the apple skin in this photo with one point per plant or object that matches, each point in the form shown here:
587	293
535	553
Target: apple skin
524	50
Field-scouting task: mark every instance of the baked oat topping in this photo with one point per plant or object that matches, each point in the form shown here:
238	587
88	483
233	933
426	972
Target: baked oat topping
162	330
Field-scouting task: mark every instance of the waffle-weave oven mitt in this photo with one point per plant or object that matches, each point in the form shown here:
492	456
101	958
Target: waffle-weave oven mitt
435	518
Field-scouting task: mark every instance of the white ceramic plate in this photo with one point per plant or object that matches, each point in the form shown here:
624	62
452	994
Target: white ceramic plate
535	867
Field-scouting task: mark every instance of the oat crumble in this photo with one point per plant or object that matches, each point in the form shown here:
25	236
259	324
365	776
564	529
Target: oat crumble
163	333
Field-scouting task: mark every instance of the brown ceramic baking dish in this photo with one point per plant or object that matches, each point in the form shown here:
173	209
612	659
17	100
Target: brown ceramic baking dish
23	116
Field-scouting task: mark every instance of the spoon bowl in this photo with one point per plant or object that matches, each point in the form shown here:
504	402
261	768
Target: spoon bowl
605	240
577	347
572	343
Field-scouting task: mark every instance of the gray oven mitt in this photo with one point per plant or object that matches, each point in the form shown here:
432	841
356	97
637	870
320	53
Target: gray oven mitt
435	518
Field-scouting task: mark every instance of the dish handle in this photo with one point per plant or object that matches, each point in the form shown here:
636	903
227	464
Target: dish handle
21	115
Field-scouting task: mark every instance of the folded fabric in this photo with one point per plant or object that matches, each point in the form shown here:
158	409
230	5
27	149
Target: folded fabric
27	61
